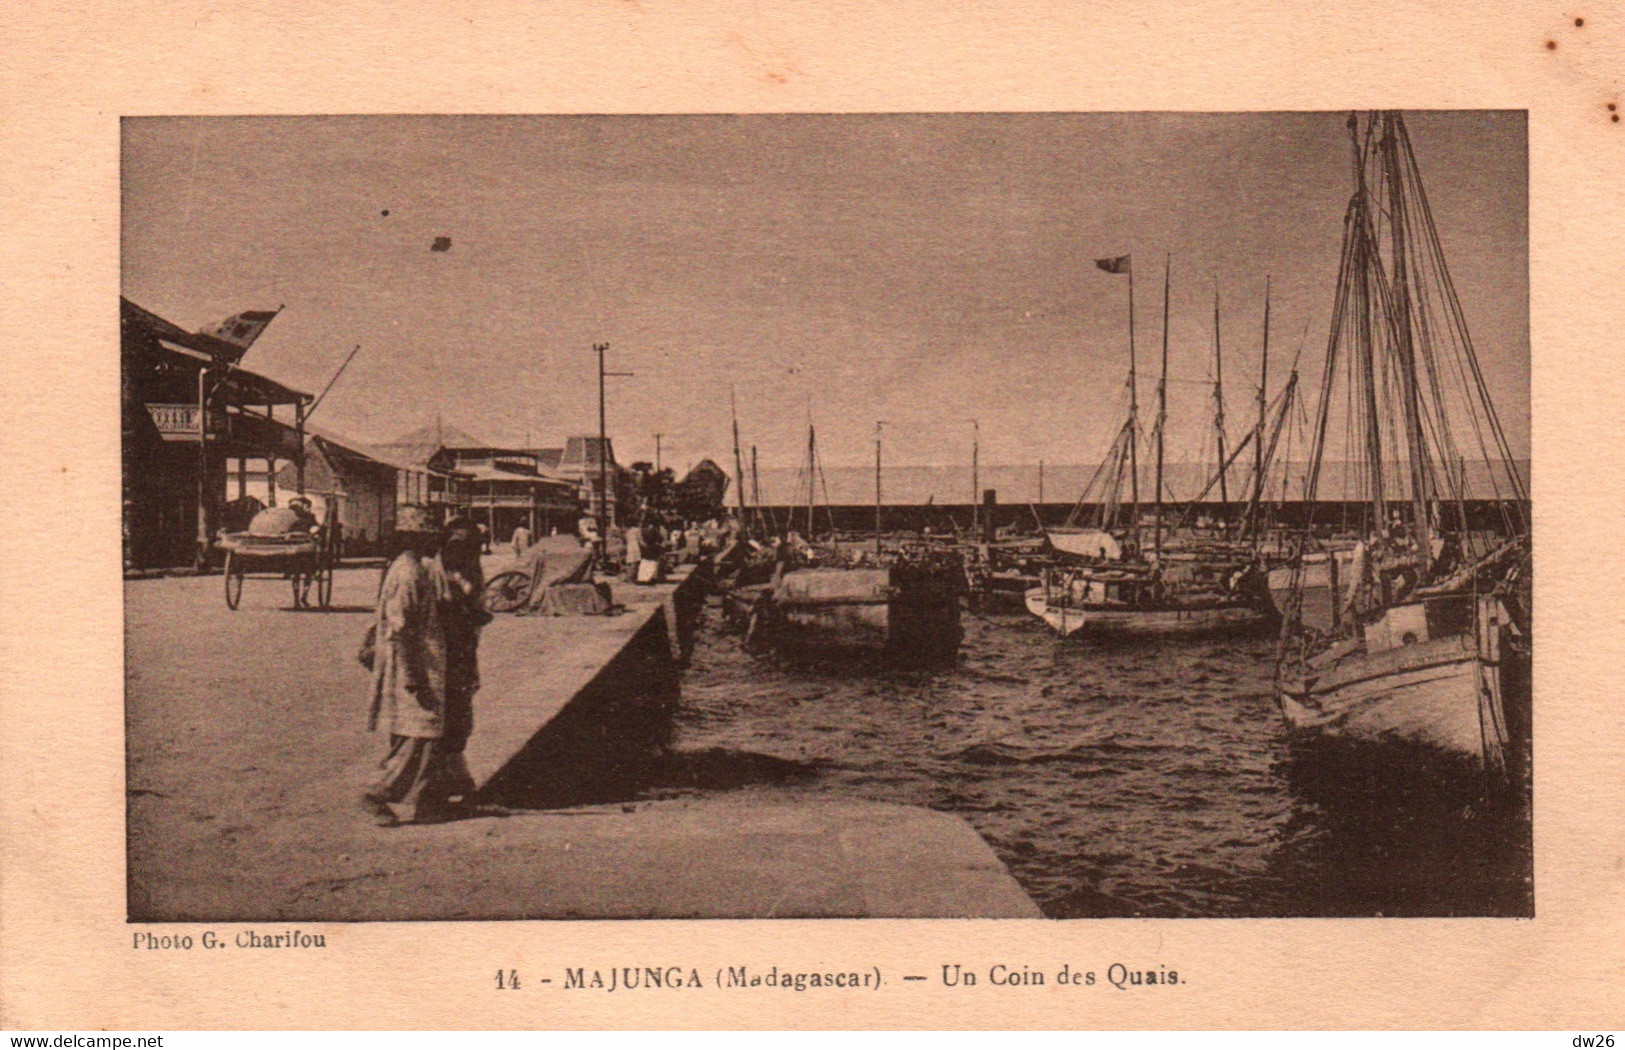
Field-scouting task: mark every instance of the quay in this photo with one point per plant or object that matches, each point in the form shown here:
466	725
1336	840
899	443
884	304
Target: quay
247	751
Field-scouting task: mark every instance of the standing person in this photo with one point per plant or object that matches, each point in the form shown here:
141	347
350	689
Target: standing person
634	551
459	583
652	548
521	541
409	680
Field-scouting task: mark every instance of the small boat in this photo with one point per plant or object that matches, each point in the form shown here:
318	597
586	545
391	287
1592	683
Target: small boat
1000	574
906	610
901	603
1133	599
1107	581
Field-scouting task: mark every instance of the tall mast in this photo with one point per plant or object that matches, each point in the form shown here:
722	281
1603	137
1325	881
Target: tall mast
1366	353
1162	400
975	475
1133	417
1218	397
1263	406
739	466
812	477
1404	345
878	425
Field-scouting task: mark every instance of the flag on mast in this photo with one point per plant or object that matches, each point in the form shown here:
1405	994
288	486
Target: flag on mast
240	330
1117	264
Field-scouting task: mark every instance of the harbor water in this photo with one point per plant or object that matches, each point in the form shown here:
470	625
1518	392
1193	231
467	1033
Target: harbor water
1126	779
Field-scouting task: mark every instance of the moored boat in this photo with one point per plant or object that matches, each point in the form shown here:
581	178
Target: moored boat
908	610
1109	581
1127	599
1416	634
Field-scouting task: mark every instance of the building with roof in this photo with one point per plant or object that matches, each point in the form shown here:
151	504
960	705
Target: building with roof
579	462
502	488
365	483
189	412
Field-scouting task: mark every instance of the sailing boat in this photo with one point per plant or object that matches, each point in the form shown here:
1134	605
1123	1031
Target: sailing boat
822	600
1106	583
1418	635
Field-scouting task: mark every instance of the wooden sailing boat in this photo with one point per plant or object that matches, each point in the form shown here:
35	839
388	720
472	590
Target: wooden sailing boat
822	600
1106	583
1418	635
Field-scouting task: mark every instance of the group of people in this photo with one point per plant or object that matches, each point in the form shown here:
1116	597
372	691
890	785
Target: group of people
425	664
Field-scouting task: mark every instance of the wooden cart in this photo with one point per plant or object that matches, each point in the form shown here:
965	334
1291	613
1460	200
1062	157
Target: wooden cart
305	559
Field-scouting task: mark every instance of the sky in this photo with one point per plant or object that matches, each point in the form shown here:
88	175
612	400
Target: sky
922	270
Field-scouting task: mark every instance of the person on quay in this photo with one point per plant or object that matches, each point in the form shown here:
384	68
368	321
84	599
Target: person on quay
459	584
409	680
634	551
521	541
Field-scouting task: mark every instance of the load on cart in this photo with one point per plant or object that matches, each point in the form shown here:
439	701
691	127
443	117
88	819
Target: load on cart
285	543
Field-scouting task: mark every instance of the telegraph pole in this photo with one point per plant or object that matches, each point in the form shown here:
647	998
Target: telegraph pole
603	447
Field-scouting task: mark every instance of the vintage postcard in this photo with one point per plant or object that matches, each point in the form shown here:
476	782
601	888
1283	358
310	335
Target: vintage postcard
769	536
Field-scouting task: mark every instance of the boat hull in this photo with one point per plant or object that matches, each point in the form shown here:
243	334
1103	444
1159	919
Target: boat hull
859	610
1442	695
1109	622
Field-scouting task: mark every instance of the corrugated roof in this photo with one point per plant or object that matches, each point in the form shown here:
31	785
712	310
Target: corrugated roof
481	472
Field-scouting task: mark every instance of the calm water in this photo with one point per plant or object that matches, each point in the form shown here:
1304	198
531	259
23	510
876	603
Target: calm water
1112	780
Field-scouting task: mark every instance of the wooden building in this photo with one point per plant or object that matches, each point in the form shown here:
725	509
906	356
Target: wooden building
579	462
188	414
501	488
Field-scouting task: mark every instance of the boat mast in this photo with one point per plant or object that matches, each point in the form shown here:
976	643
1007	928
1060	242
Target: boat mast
878	425
812	477
1403	337
1162	401
1363	363
1263	406
739	465
975	476
1133	417
1218	398
755	485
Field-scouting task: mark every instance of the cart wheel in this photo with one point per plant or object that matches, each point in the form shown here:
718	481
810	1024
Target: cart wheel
301	587
234	581
505	592
324	587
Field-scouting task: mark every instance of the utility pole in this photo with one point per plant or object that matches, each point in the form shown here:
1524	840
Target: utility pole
657	452
603	446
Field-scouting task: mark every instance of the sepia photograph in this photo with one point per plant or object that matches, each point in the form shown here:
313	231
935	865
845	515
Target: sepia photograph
1019	515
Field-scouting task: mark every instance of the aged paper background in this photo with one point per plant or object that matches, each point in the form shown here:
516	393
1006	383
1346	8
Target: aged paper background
71	70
